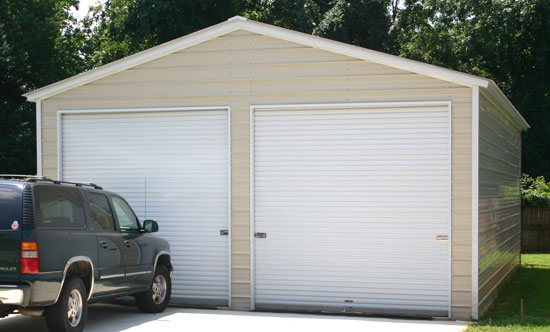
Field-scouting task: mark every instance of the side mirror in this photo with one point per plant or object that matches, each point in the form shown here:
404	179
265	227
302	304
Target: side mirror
150	226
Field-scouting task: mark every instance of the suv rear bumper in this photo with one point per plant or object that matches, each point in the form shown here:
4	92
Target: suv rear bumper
13	294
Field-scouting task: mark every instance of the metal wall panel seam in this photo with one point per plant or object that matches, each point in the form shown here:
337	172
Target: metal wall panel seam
475	202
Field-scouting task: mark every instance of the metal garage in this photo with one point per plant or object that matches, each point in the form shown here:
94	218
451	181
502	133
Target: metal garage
171	165
348	180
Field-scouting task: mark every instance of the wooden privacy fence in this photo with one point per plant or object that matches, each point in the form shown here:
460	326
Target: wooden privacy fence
535	229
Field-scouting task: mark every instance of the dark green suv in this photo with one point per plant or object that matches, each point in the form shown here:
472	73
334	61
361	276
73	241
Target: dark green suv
64	245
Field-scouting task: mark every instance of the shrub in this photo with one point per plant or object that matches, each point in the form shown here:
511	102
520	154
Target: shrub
535	192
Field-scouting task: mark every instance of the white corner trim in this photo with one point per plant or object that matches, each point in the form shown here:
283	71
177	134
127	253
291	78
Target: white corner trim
475	202
450	202
39	171
240	23
252	223
229	218
59	144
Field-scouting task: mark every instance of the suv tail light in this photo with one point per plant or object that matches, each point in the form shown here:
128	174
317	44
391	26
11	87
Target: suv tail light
29	258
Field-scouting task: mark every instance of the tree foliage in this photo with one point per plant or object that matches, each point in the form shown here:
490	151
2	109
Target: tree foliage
535	192
360	22
504	40
124	27
38	46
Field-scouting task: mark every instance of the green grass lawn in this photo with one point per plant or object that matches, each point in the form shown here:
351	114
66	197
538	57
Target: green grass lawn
532	283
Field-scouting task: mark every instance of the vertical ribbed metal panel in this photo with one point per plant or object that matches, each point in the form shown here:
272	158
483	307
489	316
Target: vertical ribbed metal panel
352	201
172	167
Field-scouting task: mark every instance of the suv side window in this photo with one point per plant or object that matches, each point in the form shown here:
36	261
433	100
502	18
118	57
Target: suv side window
10	207
100	212
58	207
126	217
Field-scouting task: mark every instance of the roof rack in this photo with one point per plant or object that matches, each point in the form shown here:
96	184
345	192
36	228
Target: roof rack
35	178
19	176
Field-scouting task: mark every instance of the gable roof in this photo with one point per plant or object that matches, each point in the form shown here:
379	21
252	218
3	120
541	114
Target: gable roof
241	23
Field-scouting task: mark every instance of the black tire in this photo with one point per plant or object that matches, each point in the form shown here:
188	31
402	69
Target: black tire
73	298
156	299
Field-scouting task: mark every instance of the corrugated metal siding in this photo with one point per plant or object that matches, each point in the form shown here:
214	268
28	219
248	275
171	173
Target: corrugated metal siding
499	199
171	167
352	201
293	77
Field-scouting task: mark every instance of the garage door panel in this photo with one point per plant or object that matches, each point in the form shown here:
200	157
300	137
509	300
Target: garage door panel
171	167
352	201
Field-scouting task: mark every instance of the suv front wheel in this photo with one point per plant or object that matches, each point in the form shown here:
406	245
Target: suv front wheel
156	298
71	310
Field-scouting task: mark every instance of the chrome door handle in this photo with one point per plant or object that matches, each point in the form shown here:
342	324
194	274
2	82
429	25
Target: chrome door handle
103	244
127	244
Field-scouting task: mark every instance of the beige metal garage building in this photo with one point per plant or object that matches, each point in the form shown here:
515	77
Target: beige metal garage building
347	179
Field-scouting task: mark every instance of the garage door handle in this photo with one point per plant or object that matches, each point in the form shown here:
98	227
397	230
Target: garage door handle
260	235
224	232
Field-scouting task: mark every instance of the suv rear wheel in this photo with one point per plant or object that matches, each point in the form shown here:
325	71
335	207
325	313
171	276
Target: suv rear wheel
71	310
156	298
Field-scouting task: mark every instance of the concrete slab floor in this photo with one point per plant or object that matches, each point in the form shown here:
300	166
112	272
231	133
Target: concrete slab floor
118	318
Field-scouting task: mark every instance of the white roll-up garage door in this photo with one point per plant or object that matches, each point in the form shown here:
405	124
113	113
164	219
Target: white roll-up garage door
171	166
351	208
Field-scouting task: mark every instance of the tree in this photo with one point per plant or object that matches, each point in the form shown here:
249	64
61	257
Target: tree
359	22
38	46
504	40
124	27
363	23
298	15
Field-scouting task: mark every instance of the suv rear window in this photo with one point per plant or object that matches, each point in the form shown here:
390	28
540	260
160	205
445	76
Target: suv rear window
10	207
58	207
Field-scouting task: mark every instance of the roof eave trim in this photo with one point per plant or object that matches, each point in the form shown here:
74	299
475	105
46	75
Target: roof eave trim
133	60
495	94
366	54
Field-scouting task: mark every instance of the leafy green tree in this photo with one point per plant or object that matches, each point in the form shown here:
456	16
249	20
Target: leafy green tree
363	23
38	46
504	40
124	27
298	15
358	22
